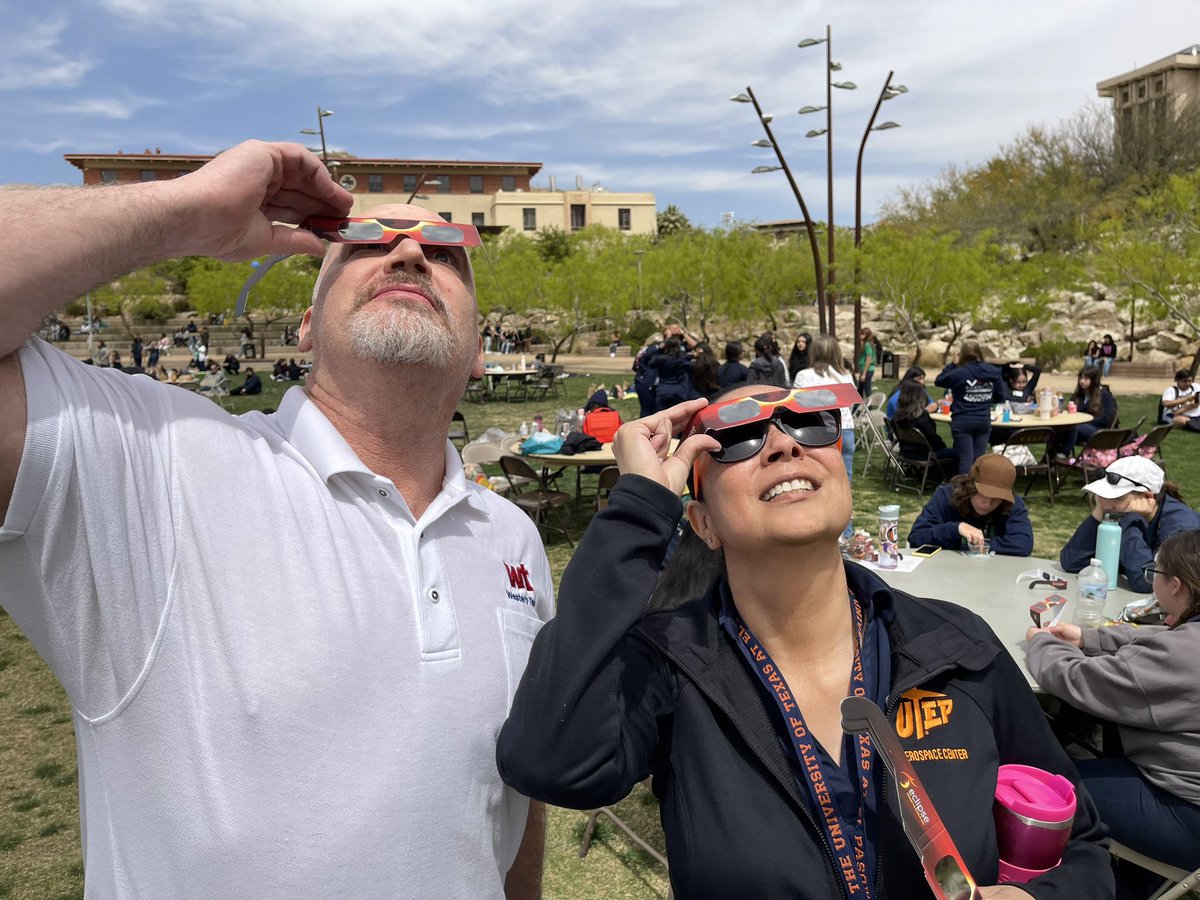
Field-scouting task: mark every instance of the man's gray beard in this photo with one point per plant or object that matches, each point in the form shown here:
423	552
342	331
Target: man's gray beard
404	336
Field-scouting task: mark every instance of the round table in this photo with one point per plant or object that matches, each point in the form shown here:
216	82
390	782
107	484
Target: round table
1062	420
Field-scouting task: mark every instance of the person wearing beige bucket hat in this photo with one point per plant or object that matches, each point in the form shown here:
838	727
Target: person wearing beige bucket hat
977	510
1149	509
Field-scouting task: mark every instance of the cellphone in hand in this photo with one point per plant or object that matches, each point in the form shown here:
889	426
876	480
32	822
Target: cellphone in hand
925	550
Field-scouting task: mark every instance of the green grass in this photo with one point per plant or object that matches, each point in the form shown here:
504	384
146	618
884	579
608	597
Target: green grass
39	820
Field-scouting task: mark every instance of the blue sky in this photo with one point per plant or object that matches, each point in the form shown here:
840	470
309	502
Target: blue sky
630	95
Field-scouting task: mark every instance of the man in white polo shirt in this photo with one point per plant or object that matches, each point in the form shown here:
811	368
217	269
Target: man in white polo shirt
311	709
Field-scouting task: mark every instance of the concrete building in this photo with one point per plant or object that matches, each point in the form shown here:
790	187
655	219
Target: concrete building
492	195
1156	94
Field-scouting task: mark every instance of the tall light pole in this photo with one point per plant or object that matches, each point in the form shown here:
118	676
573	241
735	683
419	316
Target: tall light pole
887	93
830	84
638	254
320	129
818	267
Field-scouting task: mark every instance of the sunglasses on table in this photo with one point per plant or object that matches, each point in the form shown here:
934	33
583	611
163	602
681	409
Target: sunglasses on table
369	230
1115	478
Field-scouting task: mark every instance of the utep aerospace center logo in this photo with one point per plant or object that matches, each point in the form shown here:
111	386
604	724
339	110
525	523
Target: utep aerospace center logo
520	588
921	711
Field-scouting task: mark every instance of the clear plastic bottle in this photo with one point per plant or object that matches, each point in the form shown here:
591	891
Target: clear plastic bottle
1108	547
524	430
1092	592
889	524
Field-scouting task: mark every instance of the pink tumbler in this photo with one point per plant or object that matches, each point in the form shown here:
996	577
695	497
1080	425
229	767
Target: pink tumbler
1034	811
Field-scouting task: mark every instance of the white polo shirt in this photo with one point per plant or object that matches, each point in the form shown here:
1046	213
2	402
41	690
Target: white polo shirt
284	686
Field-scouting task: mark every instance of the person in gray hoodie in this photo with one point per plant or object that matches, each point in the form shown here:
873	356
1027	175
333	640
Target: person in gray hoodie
1147	680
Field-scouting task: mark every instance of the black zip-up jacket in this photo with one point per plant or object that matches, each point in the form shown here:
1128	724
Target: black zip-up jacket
614	692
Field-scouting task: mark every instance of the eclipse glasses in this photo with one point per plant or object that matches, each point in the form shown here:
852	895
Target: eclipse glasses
370	230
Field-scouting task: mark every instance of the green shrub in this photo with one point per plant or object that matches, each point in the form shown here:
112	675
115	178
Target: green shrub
1051	354
638	331
153	309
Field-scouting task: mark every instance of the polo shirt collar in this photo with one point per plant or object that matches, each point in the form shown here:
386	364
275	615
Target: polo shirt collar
307	429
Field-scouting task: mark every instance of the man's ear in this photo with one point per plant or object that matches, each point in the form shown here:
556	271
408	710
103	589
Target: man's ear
304	341
477	362
698	518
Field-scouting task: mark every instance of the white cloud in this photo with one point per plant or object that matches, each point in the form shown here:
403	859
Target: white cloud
32	58
104	107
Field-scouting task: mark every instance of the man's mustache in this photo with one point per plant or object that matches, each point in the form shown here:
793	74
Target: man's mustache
423	283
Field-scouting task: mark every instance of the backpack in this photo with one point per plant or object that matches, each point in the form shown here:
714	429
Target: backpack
1102	459
602	424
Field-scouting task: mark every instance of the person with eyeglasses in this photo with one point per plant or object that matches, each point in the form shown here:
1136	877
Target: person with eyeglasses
1145	679
309	710
1149	508
730	699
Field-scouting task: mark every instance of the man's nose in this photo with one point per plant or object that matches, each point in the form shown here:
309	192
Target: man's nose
408	255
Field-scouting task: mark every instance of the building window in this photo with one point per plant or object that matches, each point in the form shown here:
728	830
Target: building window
108	176
508	182
624	220
1141	92
1125	95
375	184
410	183
447	216
578	216
477	219
1158	85
529	218
443	184
475	183
148	175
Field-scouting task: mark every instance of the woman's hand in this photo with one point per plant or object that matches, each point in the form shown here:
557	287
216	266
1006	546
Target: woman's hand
642	447
973	535
1071	634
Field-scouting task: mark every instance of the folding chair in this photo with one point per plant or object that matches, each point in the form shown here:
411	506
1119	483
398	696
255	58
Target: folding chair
1043	465
906	467
874	431
1176	881
876	400
541	386
476	390
458	430
1103	439
1154	441
535	498
606	481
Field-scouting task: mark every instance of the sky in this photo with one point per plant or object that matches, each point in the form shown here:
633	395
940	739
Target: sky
628	94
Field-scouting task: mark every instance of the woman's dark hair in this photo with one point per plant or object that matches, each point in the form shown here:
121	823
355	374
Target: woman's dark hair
672	346
970	351
1108	339
1089	401
798	359
733	351
962	489
911	402
689	573
704	371
764	345
912	373
1179	557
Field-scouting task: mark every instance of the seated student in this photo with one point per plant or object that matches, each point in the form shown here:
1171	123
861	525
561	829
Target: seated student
231	364
976	507
1181	403
252	384
1147	680
731	698
1096	400
279	371
1020	382
1150	509
912	412
912	373
294	372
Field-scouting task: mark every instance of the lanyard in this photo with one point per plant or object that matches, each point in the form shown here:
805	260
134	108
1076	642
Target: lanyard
846	840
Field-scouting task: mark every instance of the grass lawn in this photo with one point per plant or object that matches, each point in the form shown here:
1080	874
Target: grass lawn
39	823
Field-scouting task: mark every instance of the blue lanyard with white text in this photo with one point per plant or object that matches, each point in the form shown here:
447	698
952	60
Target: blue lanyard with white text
846	841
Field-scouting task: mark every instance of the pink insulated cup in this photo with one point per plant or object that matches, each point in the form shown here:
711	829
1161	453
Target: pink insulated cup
1034	811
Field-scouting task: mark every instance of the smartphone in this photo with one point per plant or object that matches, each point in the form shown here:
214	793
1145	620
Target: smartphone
925	550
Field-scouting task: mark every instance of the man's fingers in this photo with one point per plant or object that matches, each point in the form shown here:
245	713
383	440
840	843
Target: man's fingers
285	239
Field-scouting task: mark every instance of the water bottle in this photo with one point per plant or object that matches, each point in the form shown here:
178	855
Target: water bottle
524	430
1108	547
1006	413
889	524
1092	586
522	362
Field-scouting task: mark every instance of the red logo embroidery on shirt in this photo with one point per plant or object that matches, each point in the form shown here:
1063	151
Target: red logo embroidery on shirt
518	577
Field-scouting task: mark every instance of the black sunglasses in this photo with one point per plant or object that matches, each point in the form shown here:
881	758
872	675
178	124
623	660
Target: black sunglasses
811	429
1115	478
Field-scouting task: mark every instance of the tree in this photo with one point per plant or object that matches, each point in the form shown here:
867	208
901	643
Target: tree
122	297
285	291
672	221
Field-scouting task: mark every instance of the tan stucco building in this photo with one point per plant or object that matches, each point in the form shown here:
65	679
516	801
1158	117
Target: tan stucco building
1154	94
491	195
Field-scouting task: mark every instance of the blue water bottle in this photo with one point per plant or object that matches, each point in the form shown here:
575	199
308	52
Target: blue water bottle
1108	547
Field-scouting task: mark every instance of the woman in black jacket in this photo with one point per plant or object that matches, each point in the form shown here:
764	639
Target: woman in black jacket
975	386
912	412
731	700
799	356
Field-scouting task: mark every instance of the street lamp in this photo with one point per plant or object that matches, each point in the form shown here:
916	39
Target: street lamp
889	91
320	129
818	269
639	254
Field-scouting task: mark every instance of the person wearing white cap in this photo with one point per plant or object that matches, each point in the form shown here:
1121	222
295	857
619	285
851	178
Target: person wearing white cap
1149	509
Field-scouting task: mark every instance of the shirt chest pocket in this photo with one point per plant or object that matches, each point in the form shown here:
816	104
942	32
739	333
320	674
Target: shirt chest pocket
517	631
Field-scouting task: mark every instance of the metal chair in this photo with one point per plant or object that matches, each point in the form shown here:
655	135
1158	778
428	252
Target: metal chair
476	390
874	434
1044	465
1176	881
905	467
535	498
1154	441
458	430
876	400
605	482
1102	439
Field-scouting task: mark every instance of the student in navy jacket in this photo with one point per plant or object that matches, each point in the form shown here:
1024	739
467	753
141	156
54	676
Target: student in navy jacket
976	507
731	700
1151	509
1097	401
975	386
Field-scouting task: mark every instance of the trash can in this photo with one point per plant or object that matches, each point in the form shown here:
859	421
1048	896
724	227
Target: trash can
889	365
